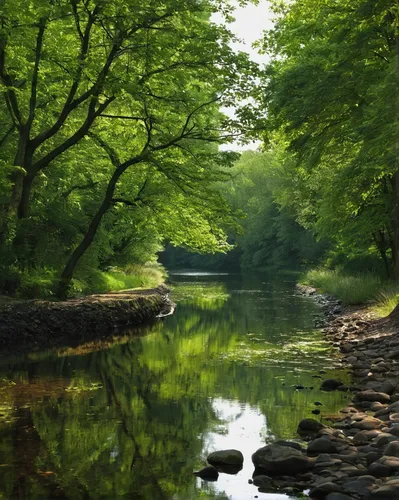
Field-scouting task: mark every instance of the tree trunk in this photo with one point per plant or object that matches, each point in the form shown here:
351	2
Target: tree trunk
395	224
77	254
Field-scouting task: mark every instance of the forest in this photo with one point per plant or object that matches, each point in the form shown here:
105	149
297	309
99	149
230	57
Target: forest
115	144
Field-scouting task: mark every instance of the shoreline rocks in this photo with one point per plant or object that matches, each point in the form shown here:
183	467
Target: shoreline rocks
38	324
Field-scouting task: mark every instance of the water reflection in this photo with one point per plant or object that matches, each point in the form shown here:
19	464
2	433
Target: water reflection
133	418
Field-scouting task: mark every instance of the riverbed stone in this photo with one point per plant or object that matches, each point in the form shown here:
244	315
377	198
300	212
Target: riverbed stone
389	491
322	490
226	457
208	473
309	425
371	396
330	384
321	445
280	460
368	423
361	486
392	450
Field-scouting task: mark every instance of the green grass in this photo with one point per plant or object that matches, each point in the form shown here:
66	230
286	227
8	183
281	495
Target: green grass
351	289
133	276
386	301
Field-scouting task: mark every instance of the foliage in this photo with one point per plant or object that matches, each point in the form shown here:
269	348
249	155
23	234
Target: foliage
112	122
330	97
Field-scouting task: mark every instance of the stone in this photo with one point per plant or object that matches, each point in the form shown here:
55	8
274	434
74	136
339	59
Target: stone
371	395
389	491
226	457
280	460
377	469
290	444
330	384
322	490
338	496
321	445
361	486
392	449
208	473
368	423
262	481
309	425
383	439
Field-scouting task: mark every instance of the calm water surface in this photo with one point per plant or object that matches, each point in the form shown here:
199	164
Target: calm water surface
133	416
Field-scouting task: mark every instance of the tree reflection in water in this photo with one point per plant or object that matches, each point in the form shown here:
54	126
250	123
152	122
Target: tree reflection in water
134	418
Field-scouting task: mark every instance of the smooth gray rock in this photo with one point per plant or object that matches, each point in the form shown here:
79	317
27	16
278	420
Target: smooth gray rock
392	449
321	445
309	425
281	460
226	457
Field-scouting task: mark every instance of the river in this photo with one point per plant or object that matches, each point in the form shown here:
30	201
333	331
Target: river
133	416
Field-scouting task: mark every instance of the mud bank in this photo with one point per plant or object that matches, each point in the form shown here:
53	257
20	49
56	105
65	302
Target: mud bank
40	324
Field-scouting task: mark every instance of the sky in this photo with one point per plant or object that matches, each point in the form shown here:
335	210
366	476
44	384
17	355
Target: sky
249	25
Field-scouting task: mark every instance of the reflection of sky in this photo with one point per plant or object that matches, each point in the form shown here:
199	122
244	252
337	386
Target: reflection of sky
244	429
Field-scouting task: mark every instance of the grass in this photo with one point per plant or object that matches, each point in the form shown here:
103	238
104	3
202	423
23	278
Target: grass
133	276
351	289
356	289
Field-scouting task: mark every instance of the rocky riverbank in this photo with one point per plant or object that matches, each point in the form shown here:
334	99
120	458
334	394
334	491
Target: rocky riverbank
356	456
38	324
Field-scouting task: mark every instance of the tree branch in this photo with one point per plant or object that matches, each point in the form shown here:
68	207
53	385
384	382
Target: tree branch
38	53
74	138
11	97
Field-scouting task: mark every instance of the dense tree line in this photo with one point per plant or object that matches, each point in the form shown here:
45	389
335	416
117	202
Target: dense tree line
110	130
330	97
111	126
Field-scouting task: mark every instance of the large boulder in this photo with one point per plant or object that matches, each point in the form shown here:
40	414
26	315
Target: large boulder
280	460
226	457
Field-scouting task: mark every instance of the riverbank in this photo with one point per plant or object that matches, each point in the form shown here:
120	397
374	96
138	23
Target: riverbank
357	456
38	324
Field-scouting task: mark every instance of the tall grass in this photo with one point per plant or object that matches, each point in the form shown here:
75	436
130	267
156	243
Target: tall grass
132	276
351	289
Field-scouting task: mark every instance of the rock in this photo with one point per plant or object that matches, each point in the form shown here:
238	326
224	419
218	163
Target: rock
383	439
368	423
330	384
226	457
338	496
290	444
378	469
279	460
322	490
371	395
389	491
208	473
316	412
321	445
317	403
309	425
392	449
360	486
262	481
388	387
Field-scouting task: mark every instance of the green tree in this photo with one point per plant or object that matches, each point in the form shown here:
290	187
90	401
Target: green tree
331	96
107	104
